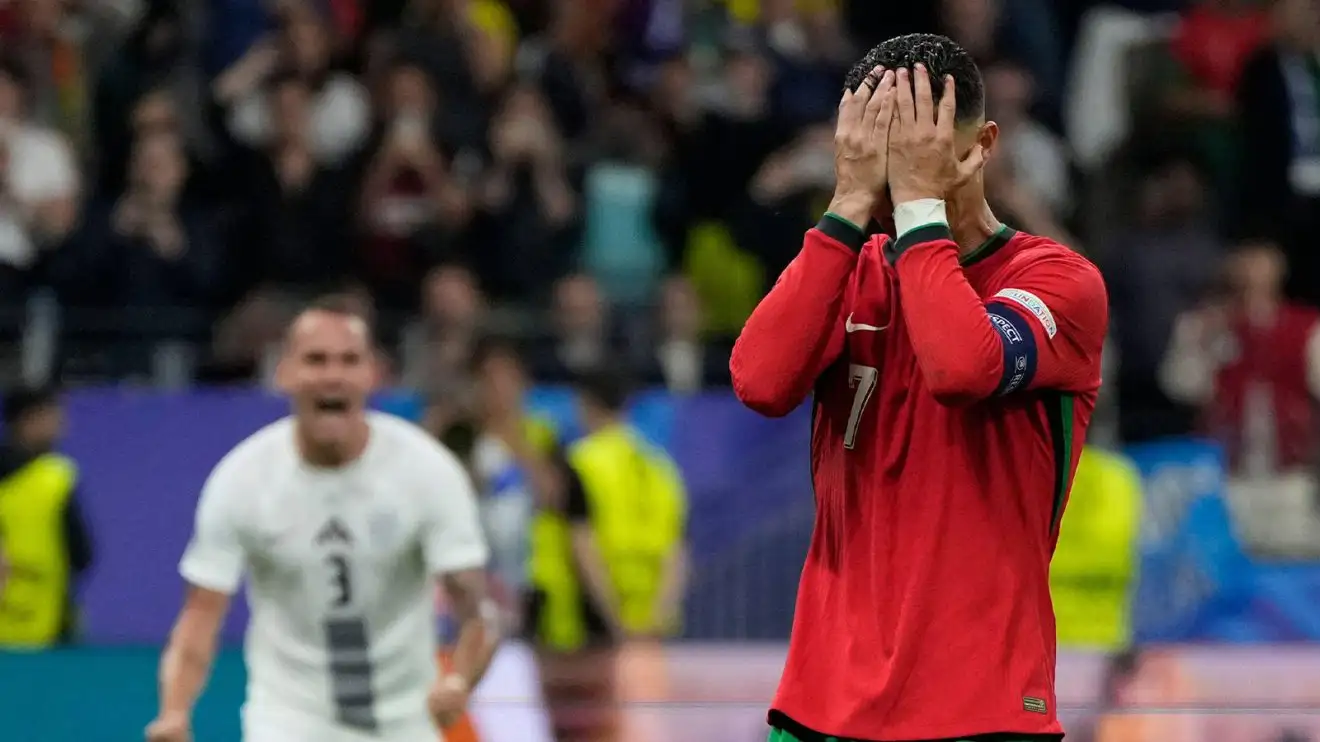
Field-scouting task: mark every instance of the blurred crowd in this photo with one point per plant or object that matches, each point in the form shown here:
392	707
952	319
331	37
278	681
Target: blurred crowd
621	180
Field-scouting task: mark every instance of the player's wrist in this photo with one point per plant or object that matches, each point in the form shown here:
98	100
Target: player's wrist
853	208
181	717
454	682
913	214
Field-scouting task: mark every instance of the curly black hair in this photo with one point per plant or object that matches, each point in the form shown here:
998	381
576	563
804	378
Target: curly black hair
941	55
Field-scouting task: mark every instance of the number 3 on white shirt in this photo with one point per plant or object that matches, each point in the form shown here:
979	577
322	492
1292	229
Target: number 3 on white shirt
861	379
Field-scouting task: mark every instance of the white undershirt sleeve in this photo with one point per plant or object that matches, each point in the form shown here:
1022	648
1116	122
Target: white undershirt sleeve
923	212
452	539
214	558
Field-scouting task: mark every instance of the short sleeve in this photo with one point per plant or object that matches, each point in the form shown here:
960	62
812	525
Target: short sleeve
214	558
452	540
1054	315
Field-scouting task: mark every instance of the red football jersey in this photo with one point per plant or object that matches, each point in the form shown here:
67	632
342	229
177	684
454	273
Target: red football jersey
951	403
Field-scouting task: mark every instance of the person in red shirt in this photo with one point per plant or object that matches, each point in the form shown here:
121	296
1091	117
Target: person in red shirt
954	371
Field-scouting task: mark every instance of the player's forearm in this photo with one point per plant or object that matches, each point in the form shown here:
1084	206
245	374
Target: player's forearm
184	669
958	351
788	340
478	638
479	624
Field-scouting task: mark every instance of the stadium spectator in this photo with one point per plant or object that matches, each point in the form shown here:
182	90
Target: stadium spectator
294	215
582	336
570	66
1037	155
1096	565
148	249
682	360
39	186
1093	574
46	540
620	246
722	131
1279	108
49	43
1026	32
791	186
1210	47
608	566
438	348
492	44
512	461
242	349
151	78
415	205
1013	195
527	204
460	47
1168	259
340	111
1251	364
810	50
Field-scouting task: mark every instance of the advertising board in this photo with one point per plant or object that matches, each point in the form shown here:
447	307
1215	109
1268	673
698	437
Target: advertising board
700	692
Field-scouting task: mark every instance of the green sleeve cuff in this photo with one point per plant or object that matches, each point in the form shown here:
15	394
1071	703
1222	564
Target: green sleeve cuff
895	248
842	231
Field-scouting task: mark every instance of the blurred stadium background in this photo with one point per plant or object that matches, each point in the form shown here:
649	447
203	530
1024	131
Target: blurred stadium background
621	179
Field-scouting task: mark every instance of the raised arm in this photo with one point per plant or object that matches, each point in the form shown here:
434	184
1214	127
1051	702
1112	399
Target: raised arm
797	329
1045	330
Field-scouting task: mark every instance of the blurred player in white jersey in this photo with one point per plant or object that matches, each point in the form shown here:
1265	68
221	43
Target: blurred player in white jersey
342	520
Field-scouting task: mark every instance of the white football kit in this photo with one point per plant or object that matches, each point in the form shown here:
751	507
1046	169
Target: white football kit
341	567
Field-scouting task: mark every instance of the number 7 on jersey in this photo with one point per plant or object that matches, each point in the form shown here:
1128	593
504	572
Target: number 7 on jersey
861	379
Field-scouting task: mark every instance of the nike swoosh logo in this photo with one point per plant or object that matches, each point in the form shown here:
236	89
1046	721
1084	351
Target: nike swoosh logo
850	327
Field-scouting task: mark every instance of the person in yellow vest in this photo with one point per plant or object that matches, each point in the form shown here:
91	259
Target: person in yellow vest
1094	570
608	571
44	536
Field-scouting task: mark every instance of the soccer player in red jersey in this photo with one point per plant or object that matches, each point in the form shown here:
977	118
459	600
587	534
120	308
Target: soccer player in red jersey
954	371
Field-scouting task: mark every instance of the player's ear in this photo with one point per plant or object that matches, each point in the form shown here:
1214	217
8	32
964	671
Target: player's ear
987	135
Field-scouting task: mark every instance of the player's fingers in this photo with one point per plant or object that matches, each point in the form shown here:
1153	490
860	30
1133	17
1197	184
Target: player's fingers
845	104
877	103
906	115
863	94
971	164
925	102
846	118
948	108
884	122
873	78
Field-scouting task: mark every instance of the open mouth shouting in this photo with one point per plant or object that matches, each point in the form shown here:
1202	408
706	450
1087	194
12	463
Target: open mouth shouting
331	405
